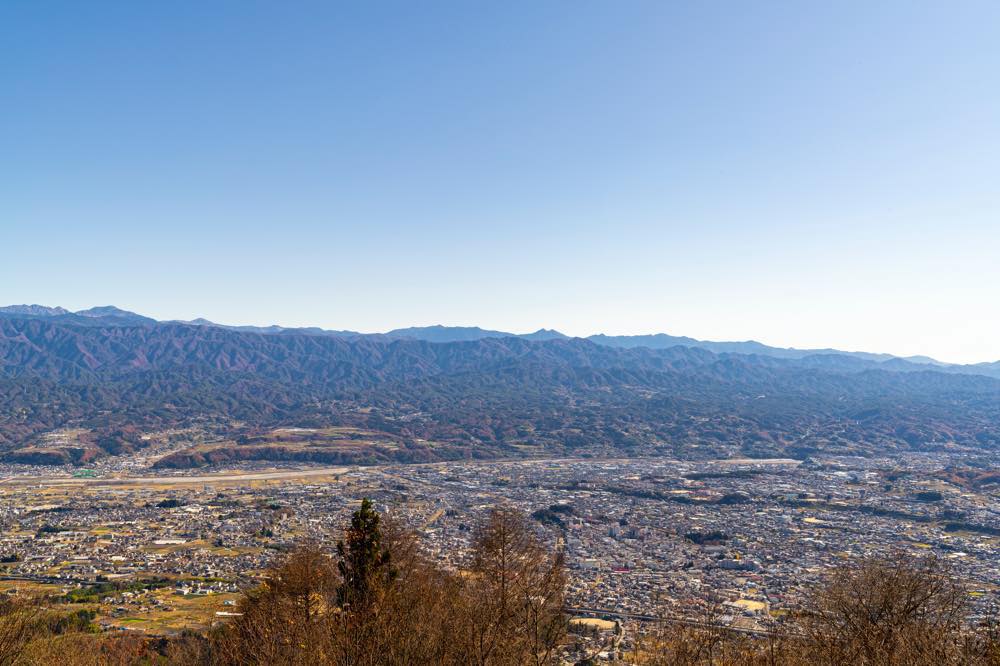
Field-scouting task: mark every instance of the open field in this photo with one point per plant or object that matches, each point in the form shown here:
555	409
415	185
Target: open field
169	612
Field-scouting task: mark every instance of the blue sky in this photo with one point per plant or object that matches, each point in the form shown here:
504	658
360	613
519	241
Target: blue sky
805	174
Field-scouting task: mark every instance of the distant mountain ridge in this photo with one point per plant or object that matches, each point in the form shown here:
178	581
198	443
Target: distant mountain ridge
104	315
112	374
440	333
33	310
111	315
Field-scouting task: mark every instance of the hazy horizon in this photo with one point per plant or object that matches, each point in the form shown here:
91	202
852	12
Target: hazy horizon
500	328
801	175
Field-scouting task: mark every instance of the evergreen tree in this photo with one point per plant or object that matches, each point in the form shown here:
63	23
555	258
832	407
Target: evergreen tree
364	563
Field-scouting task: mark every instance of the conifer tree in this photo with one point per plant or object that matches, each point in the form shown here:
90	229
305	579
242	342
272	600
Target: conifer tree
363	561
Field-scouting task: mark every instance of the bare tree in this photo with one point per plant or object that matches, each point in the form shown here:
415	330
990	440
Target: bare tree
17	627
518	591
886	612
286	619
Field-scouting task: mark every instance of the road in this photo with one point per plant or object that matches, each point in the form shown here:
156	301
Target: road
160	480
328	471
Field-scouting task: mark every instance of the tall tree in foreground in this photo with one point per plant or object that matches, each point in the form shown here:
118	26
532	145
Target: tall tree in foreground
286	619
518	587
364	561
505	610
416	614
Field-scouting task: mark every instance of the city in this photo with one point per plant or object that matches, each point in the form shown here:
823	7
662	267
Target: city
500	334
738	542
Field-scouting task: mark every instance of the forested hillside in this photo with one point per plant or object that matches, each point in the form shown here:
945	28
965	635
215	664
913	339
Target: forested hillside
496	396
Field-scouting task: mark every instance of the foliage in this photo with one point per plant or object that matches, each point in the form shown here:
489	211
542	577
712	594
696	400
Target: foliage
363	562
477	399
505	608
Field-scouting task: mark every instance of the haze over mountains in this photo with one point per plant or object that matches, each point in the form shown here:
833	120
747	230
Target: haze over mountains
441	334
442	393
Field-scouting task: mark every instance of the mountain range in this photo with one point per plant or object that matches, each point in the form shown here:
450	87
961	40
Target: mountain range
105	315
441	393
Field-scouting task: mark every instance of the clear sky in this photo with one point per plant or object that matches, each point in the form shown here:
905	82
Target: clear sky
802	173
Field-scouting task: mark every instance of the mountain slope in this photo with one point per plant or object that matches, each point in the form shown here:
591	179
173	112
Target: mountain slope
484	397
110	315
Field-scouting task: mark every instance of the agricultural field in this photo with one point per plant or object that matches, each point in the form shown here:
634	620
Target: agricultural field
331	445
